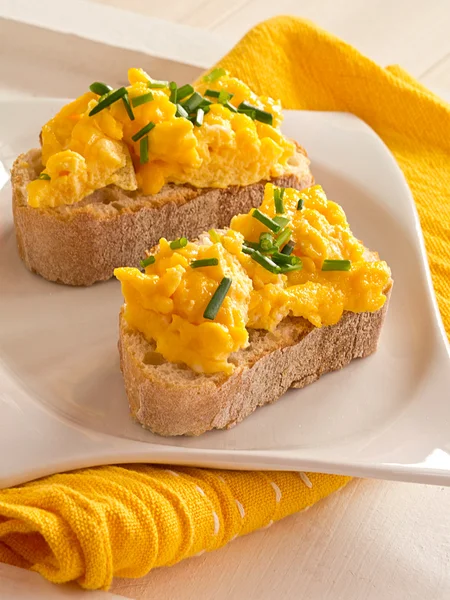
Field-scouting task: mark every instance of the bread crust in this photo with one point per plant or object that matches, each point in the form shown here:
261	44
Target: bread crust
172	400
83	243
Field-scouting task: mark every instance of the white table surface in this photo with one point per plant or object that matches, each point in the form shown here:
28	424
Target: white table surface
373	539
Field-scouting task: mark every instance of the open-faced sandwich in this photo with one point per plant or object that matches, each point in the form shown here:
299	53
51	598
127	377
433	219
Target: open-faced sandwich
118	169
214	328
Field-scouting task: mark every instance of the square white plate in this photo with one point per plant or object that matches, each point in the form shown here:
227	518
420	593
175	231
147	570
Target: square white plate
62	402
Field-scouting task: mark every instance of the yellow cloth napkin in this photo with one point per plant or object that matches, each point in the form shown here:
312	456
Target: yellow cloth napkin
95	523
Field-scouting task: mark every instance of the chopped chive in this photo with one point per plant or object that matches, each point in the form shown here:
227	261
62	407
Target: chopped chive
247	250
173	92
147	261
288	248
126	103
300	204
283	237
205	102
278	200
263	116
265	262
289	268
224	96
230	107
198	119
212	93
256	113
179	243
100	88
184	91
44	176
214	236
204	262
281	221
157	85
181	112
143	150
217	299
191	104
143	99
336	265
109	99
266	241
267	221
206	108
138	135
249	112
284	259
251	245
214	75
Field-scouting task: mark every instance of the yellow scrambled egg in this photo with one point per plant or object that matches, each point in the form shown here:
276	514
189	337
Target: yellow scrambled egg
83	153
167	302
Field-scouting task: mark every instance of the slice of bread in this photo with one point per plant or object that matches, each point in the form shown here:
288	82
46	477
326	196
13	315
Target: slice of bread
83	243
171	399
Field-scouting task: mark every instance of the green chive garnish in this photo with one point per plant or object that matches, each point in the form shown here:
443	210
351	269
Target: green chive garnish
289	268
217	299
281	221
179	243
212	93
278	194
256	113
183	91
143	99
147	261
191	104
100	88
44	176
300	204
247	250
267	221
214	75
263	116
198	119
266	241
137	136
157	85
181	112
109	99
336	265
224	96
288	248
204	262
214	236
126	103
173	92
265	262
284	259
143	150
251	245
283	237
230	107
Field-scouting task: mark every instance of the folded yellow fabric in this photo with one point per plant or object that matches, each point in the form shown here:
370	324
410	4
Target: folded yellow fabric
95	523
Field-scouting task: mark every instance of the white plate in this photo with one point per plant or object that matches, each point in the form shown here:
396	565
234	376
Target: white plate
62	402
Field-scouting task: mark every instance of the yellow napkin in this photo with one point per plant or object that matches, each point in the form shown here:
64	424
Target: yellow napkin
96	523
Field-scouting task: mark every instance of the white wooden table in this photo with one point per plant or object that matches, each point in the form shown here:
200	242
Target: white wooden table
373	540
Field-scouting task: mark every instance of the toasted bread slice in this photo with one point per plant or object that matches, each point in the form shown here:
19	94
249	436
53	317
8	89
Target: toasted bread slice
171	399
83	243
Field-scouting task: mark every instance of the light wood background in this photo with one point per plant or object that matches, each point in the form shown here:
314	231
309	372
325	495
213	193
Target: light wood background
374	540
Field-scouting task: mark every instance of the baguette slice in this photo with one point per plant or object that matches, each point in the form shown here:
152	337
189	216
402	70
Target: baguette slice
171	399
83	243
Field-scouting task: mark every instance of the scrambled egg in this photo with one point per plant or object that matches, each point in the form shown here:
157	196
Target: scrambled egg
83	153
166	302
